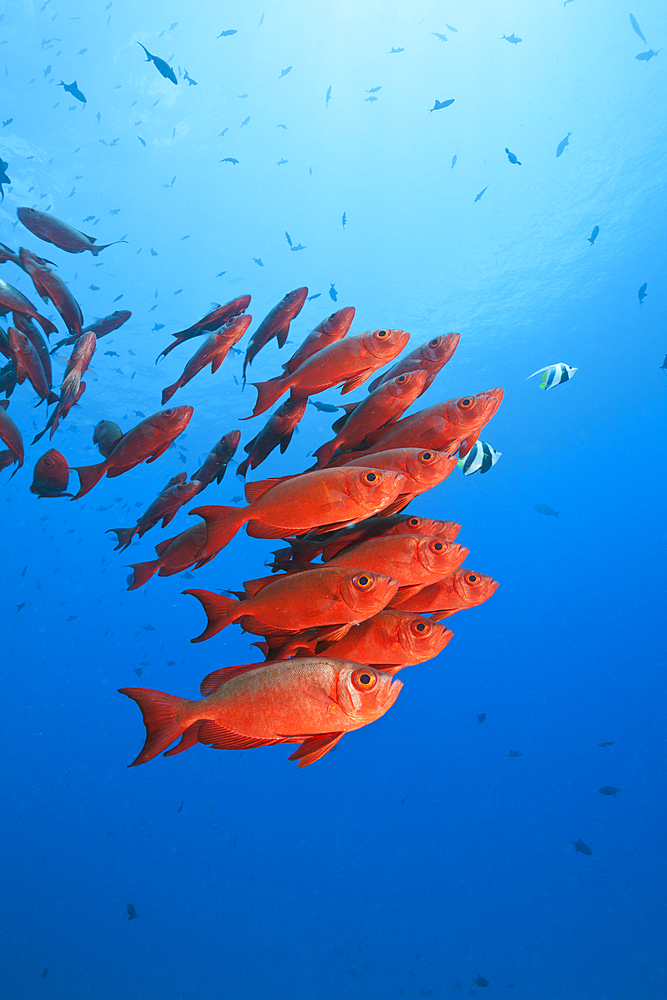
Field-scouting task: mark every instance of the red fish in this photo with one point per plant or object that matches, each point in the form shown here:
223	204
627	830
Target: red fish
213	351
53	289
277	509
415	560
211	322
327	332
217	460
381	409
29	366
26	325
62	235
14	301
106	436
278	430
73	388
8	378
313	701
275	324
454	424
164	507
51	475
11	436
7	254
350	361
464	588
429	357
101	327
321	597
147	441
174	555
423	470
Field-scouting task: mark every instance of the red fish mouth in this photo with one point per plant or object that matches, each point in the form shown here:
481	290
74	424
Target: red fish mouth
393	692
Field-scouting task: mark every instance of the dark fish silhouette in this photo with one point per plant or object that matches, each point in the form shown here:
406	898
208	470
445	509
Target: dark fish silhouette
328	98
333	294
284	72
4	179
594	235
635	27
646	56
481	718
513	753
443	38
580	847
229	159
163	68
72	89
281	162
455	30
481	193
344	220
609	790
512	39
131	912
315	296
664	368
562	144
641	294
512	157
611	743
142	141
191	82
7	121
371	99
481	981
454	159
258	261
287	237
227	33
393	51
543	508
244	122
324	407
441	104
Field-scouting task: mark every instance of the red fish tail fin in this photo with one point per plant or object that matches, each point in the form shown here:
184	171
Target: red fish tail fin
222	523
125	536
220	611
89	475
161	719
52	397
143	572
243	468
325	453
46	325
268	393
95	250
169	391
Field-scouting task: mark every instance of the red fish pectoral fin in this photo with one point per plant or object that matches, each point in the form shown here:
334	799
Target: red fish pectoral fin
354	382
213	735
315	747
159	711
467	443
158	454
169	391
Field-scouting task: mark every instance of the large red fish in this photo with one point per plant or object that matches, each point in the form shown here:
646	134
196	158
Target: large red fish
62	235
212	352
11	436
147	441
29	366
454	424
381	409
327	332
278	430
174	555
7	254
14	301
429	357
275	324
209	324
106	436
297	505
414	560
464	588
51	475
165	507
313	701
73	388
217	460
350	361
423	470
101	327
26	325
53	289
321	597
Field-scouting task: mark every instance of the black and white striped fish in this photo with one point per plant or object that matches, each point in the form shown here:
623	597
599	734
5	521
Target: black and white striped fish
480	458
554	374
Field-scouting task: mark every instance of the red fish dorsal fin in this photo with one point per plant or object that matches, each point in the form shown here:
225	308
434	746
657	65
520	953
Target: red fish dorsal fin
254	491
253	587
315	747
214	681
161	546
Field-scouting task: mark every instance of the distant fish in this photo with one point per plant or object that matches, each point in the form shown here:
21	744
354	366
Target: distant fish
226	34
373	90
646	56
635	27
282	126
581	847
512	156
441	104
315	296
454	159
450	28
512	39
328	98
4	179
481	193
394	51
443	38
641	294
163	68
191	82
554	375
371	99
229	159
480	458
287	237
142	141
611	742
131	912
244	122
72	89
562	144
481	982
594	235
284	72
481	718
543	508
513	753
281	162
258	261
344	220
333	294
324	407
609	790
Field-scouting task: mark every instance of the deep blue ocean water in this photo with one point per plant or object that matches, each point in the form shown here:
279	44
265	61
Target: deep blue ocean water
417	857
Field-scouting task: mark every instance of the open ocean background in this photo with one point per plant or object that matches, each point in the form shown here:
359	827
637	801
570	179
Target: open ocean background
418	856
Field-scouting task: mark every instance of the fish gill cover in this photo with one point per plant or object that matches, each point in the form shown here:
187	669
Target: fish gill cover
234	248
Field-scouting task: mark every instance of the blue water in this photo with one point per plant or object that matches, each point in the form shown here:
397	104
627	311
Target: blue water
418	856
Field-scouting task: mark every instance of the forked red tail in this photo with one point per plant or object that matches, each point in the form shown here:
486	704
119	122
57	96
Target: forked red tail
160	712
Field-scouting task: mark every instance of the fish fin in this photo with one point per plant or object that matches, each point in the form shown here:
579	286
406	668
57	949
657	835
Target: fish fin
52	397
222	523
156	454
250	445
46	325
438	616
268	393
467	443
143	572
220	611
355	381
243	468
213	735
285	440
399	504
159	713
214	681
315	747
161	546
253	587
333	634
125	536
263	647
258	529
338	425
326	452
254	491
281	335
169	391
405	593
89	475
187	740
539	372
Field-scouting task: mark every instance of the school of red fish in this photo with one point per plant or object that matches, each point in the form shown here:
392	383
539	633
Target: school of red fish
334	633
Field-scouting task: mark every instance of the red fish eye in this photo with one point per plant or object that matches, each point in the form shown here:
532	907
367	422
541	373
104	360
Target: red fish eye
437	547
47	463
370	477
434	342
381	334
363	581
364	680
414	522
401	378
168	413
466	402
427	456
420	626
472	578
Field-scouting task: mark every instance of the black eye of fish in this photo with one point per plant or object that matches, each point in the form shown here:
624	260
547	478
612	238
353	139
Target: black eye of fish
427	456
472	578
382	334
414	522
363	581
363	680
371	477
401	378
438	546
466	402
434	342
420	627
169	412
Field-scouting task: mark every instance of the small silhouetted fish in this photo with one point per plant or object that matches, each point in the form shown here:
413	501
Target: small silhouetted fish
646	56
324	407
281	162
227	33
543	508
149	628
609	790
229	159
112	354
258	261
611	742
594	235
163	68
236	499
481	193
373	90
315	296
455	30
333	294
328	98
454	159
284	72
282	126
481	718
138	671
481	981
394	51
512	39
513	753
20	607
72	89
581	847
186	576
443	38
180	808
441	104
562	144
4	179
512	156
7	121
142	141
344	220
131	912
44	973
641	294
635	27
371	99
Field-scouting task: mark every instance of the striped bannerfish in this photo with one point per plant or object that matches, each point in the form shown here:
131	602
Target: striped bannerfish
480	458
554	375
